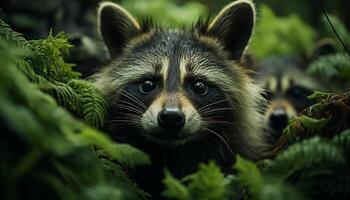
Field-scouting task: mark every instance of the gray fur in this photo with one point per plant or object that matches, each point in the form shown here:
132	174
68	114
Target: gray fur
195	53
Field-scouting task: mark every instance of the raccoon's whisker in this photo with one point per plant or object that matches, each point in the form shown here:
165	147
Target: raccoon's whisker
207	111
136	103
212	104
130	104
129	108
222	139
130	118
213	121
125	103
133	98
223	122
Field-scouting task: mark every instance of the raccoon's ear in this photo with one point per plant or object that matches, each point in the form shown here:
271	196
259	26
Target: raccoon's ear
116	26
233	26
324	47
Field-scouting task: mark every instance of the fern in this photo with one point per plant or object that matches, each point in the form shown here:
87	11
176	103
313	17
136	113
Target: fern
207	183
48	58
65	95
310	127
334	67
263	187
45	66
91	103
307	154
174	188
44	145
13	38
119	173
343	141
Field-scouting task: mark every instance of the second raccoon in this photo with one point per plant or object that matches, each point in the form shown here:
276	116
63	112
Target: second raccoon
287	85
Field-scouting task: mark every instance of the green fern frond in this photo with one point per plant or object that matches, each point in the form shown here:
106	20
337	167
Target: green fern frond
319	97
51	147
262	187
309	153
47	59
249	175
207	183
129	156
13	38
335	66
318	167
92	105
309	125
123	153
343	141
63	93
117	172
174	188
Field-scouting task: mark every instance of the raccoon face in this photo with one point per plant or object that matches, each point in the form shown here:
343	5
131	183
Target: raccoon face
173	86
287	89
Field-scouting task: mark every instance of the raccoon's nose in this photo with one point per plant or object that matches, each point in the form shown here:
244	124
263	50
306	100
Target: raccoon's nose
171	118
279	119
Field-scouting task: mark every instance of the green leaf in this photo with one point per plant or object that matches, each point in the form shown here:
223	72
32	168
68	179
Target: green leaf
174	188
309	153
92	105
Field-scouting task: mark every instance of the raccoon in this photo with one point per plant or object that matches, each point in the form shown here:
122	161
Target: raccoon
287	85
181	95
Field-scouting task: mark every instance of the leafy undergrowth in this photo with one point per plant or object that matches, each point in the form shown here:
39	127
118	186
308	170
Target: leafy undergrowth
49	154
311	161
46	152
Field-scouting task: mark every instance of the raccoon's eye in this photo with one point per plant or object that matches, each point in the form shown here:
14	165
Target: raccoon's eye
199	87
298	92
147	85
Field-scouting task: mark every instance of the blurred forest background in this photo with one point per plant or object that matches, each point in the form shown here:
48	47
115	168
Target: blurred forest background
283	27
50	115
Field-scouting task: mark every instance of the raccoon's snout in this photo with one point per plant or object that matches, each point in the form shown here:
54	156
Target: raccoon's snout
278	119
171	119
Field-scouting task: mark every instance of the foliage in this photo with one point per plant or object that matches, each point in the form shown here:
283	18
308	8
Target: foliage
263	186
275	36
49	154
166	12
45	66
334	67
311	160
314	168
340	28
207	183
45	151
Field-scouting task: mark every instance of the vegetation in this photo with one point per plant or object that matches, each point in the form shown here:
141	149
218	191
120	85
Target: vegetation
334	67
275	36
46	153
311	161
166	13
51	150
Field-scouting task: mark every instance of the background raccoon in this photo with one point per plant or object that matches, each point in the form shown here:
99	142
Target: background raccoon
287	85
181	95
